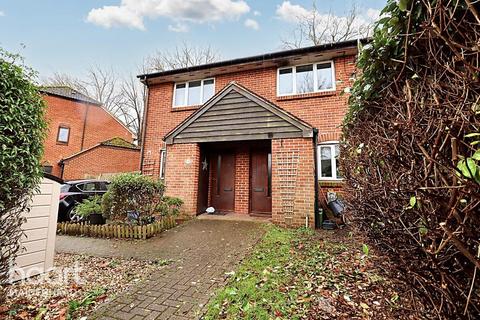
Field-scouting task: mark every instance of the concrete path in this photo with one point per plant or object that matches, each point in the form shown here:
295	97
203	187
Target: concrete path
202	251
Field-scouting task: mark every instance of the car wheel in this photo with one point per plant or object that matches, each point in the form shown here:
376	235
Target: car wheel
72	215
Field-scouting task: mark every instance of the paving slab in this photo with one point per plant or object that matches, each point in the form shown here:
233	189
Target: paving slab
201	253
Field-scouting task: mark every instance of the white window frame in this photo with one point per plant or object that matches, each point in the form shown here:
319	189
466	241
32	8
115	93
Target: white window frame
315	79
332	145
186	83
163	159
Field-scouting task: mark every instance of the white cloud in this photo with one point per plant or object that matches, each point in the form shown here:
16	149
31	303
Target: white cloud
252	24
291	12
131	13
178	27
2	13
256	13
113	16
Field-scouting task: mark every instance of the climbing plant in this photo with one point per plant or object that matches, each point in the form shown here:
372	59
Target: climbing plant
411	150
22	130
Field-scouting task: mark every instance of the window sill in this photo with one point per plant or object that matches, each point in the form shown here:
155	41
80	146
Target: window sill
62	143
307	95
331	183
187	108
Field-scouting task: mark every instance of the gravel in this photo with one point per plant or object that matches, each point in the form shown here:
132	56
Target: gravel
76	285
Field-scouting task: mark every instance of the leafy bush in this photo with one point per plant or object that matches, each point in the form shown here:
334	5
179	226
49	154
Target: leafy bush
89	206
411	157
22	126
134	195
170	206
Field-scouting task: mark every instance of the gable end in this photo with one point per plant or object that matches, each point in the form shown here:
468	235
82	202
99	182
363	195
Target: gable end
236	114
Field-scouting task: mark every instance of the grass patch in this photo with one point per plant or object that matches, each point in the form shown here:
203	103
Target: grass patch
301	274
253	291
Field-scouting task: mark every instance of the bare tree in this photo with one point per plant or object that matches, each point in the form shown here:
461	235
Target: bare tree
103	86
315	28
99	84
125	98
181	56
131	104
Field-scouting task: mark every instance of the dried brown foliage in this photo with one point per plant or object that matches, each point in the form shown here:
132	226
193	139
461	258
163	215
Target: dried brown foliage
413	118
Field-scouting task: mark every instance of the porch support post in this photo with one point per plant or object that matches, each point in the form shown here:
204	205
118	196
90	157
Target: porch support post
181	174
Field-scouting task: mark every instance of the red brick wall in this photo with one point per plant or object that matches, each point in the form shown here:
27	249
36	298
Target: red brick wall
102	161
242	181
100	126
181	174
301	189
323	111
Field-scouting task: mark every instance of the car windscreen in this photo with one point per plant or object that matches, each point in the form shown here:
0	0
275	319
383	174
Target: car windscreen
64	188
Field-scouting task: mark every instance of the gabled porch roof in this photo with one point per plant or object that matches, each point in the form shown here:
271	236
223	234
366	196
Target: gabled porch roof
234	114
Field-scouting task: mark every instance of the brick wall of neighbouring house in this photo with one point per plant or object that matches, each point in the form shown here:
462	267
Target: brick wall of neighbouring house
100	126
324	111
293	186
102	161
181	174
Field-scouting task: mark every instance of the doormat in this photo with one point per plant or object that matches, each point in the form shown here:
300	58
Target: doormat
216	213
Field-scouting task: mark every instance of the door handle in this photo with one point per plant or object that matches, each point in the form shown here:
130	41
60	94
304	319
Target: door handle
258	189
228	189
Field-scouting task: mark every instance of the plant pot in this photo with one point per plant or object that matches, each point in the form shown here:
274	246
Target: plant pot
96	219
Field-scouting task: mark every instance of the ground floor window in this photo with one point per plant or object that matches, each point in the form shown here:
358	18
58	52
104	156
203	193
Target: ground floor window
328	168
163	157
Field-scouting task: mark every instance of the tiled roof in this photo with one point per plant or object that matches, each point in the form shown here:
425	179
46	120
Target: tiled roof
114	142
69	93
119	142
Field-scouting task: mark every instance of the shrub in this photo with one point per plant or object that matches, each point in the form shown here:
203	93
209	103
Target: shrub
170	206
22	128
411	158
89	206
134	194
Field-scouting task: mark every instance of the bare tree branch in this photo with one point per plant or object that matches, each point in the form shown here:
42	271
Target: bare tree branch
182	56
315	28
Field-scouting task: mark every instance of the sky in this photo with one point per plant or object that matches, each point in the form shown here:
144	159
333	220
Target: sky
69	36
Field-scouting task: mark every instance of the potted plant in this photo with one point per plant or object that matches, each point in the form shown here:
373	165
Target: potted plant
91	210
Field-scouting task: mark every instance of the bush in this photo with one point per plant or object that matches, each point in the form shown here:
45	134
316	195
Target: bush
22	128
170	206
411	157
89	206
134	196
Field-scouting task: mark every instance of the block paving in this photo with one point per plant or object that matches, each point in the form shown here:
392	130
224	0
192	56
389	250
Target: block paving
203	253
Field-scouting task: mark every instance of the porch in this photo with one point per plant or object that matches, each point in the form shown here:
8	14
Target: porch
236	177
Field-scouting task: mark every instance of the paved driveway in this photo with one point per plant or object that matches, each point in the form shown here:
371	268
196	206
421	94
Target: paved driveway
202	251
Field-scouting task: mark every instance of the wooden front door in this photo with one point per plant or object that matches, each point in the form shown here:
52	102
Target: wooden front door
261	182
223	197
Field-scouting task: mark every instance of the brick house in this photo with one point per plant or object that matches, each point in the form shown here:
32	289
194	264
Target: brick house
84	140
256	135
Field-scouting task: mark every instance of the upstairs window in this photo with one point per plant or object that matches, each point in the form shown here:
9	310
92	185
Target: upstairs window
328	161
63	134
193	92
317	77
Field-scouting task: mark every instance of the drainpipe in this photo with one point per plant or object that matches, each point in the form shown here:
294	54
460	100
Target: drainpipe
144	121
84	125
317	220
62	168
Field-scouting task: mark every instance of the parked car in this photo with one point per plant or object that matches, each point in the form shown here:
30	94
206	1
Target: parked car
74	192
